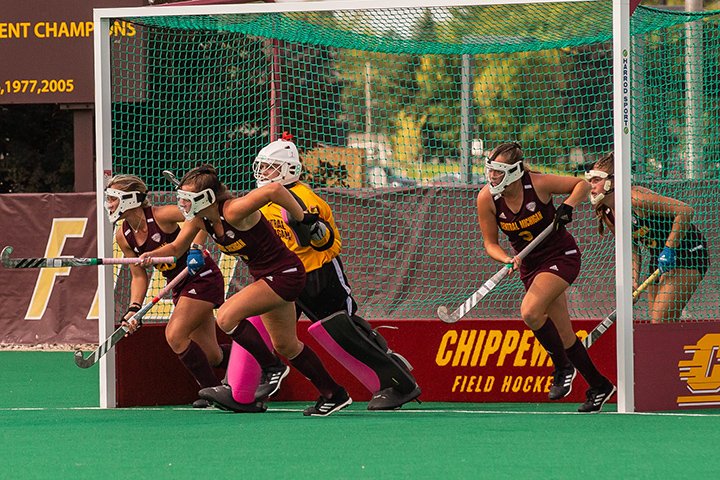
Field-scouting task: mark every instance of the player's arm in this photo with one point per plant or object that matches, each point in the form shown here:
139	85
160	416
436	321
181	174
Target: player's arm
647	202
238	209
138	281
181	244
576	188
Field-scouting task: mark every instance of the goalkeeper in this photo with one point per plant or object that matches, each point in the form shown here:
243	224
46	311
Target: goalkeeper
327	299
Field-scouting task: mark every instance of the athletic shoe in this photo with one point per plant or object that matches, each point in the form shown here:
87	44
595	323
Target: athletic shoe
324	407
596	398
392	399
201	403
562	382
221	396
270	381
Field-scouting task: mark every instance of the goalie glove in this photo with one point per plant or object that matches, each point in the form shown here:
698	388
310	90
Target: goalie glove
322	236
303	229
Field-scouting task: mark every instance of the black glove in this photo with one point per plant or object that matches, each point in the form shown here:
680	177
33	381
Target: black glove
563	215
132	310
303	228
310	219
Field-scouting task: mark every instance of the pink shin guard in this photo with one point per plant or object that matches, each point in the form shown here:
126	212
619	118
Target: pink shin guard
243	372
367	376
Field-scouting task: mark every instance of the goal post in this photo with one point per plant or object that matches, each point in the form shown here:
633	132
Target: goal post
393	106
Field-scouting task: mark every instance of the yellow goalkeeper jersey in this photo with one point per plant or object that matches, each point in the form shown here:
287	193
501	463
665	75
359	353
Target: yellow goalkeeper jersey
312	259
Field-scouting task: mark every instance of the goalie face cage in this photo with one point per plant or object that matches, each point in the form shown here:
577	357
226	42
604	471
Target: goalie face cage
393	106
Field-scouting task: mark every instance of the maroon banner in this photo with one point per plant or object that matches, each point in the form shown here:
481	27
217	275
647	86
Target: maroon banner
472	361
49	305
677	366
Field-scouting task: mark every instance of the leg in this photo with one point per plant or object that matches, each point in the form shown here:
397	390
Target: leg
672	294
544	310
545	289
192	319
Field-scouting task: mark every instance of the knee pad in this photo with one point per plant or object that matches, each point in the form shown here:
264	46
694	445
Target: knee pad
363	351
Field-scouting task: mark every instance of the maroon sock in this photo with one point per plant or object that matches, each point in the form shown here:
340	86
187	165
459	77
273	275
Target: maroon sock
549	338
197	363
579	357
308	363
225	347
247	336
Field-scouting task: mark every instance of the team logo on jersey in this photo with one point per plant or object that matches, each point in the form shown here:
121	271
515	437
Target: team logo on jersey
230	234
531	206
502	215
156	237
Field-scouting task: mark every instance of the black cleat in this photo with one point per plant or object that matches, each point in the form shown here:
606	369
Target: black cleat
271	380
221	396
392	399
324	407
201	403
562	382
596	398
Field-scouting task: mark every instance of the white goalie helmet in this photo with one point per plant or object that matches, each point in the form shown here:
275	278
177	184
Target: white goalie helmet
126	201
512	171
278	162
190	203
607	185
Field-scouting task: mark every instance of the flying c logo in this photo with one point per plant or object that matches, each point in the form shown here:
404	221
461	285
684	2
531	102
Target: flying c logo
702	372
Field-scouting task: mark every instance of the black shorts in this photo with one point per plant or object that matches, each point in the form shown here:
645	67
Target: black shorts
327	291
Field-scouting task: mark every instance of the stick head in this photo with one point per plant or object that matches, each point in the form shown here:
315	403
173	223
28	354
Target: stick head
444	314
6	252
170	177
81	361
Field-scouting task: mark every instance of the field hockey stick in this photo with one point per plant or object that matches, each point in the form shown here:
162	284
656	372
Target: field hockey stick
610	319
475	298
122	330
70	261
170	177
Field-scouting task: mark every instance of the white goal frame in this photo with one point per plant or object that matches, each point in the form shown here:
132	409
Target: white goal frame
622	141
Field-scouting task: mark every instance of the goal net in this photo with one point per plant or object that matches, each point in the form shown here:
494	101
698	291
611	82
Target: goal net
394	109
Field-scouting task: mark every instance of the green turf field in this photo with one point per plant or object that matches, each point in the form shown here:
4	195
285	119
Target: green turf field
50	428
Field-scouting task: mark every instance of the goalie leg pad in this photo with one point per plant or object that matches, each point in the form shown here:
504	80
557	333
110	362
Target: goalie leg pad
243	372
350	343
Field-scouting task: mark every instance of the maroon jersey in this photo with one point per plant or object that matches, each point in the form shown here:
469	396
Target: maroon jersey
207	285
557	254
259	247
156	238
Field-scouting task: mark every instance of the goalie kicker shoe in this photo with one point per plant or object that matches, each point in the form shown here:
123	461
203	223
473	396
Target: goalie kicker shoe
562	382
392	399
221	396
596	398
324	407
270	381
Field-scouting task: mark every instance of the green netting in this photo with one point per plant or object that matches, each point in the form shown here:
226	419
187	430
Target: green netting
374	99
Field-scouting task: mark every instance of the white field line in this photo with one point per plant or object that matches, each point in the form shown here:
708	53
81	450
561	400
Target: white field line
392	412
